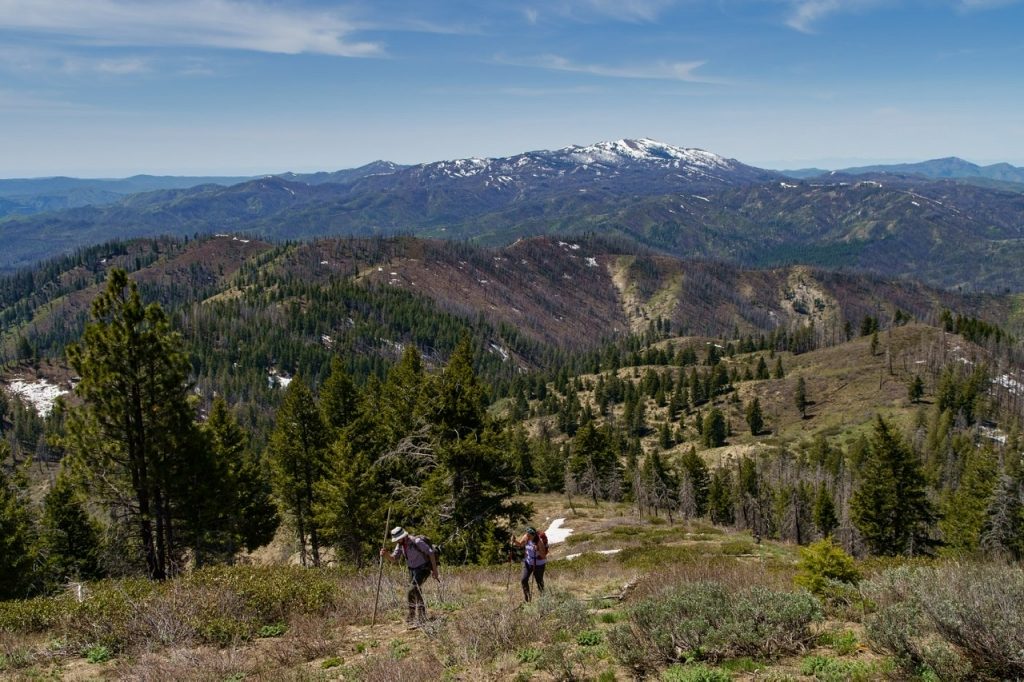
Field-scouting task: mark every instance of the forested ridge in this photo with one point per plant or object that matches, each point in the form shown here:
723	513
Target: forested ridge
297	396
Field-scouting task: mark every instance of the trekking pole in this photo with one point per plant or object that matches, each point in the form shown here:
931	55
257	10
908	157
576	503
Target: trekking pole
380	569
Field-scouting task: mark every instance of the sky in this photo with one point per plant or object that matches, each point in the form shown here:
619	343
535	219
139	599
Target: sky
110	88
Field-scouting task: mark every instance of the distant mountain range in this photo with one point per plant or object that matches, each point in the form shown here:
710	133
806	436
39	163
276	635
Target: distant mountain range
685	202
949	168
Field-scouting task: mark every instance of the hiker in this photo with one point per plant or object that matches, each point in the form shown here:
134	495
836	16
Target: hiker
421	560
536	545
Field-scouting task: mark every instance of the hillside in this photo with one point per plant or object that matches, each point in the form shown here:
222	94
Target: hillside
684	202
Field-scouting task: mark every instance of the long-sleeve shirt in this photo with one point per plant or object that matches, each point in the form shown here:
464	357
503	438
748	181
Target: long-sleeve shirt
417	552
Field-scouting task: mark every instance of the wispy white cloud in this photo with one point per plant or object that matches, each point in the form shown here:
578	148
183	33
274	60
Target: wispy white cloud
632	11
805	14
972	5
32	60
224	24
662	70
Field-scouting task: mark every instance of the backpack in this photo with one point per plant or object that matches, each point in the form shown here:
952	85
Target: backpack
542	545
436	549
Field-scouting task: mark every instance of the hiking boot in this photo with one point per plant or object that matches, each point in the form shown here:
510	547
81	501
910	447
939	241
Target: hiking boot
421	613
410	619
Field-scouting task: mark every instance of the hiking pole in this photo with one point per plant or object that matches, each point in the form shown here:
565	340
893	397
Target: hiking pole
380	569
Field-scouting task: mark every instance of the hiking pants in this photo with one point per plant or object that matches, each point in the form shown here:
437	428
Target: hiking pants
538	575
417	607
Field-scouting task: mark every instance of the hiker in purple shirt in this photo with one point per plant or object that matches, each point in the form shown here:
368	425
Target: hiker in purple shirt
536	546
421	560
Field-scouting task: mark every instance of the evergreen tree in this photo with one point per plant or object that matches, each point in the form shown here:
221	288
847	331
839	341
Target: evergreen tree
890	507
755	420
17	540
592	463
338	397
966	509
915	389
721	503
70	538
471	488
237	510
297	452
664	437
779	372
695	474
824	514
761	372
714	431
800	397
133	437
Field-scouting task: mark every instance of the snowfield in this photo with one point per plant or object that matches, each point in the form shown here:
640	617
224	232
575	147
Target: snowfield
40	394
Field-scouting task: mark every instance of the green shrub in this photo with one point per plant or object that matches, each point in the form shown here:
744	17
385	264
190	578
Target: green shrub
704	621
694	673
589	638
826	570
959	621
332	662
275	630
836	670
98	654
843	643
737	547
33	615
528	655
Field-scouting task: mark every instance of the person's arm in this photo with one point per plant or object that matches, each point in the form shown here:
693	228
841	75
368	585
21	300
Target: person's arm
519	542
433	566
390	556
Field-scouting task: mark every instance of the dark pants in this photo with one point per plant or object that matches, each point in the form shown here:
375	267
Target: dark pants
417	607
538	575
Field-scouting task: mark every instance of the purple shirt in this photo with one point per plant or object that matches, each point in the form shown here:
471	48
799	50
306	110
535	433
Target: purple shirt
417	552
531	554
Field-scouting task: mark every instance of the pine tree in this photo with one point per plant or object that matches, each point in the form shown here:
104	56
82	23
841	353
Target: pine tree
800	397
890	507
470	489
779	372
761	372
338	397
714	431
297	452
592	462
824	514
70	538
17	540
721	503
966	509
755	420
133	436
237	510
695	473
915	389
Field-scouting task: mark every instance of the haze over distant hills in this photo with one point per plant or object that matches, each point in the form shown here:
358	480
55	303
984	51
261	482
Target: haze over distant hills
684	202
951	167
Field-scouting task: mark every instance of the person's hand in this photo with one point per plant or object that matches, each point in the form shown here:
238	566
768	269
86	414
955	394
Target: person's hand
383	551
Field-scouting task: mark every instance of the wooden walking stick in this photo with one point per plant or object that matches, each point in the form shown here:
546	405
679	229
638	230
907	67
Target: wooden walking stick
380	569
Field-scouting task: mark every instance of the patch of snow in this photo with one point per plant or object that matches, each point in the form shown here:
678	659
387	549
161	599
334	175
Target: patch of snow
786	185
915	203
992	434
1007	381
40	394
500	351
323	262
326	340
606	552
591	261
556	533
697	196
275	378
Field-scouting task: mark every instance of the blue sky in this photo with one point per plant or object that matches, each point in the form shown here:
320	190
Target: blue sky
116	87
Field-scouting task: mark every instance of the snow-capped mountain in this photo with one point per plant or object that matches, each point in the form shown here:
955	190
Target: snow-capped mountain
660	167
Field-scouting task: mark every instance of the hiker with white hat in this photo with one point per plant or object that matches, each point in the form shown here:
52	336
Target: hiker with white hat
421	559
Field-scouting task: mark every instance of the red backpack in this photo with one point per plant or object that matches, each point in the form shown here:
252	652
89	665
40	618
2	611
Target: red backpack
542	545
